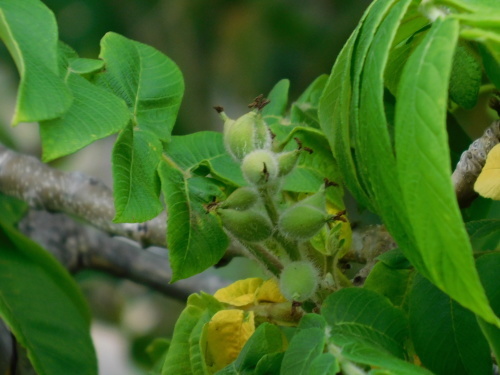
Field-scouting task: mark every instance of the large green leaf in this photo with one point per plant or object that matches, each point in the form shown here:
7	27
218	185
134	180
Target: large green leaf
44	308
484	234
305	347
424	171
446	336
42	94
195	238
334	116
488	266
393	283
136	186
205	149
267	339
373	356
149	82
362	316
94	114
373	138
178	360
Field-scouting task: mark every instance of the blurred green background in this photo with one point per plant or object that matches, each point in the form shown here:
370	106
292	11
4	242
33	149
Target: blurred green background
229	52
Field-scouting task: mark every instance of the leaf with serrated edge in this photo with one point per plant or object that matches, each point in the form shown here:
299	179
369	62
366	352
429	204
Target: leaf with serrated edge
136	155
44	308
42	94
446	336
150	83
195	238
94	114
306	345
424	171
205	148
355	313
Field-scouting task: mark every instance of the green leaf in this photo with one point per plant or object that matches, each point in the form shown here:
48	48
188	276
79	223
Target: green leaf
279	99
373	356
195	238
324	364
465	78
312	321
423	164
484	234
488	266
136	155
178	359
269	364
360	315
374	142
42	94
12	209
94	114
334	108
395	284
305	346
304	111
267	339
149	82
189	152
44	308
85	66
445	335
395	259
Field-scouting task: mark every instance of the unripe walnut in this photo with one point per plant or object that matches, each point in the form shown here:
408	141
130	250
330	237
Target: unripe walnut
248	225
302	221
299	281
260	167
249	132
241	199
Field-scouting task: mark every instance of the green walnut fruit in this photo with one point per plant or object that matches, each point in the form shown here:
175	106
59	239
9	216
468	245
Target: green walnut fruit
301	221
287	161
249	132
241	199
299	281
260	167
248	225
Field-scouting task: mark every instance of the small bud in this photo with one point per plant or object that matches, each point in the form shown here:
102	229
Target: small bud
260	167
248	225
302	221
287	161
241	199
299	281
247	133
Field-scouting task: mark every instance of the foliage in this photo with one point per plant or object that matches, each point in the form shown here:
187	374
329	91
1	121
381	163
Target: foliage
274	182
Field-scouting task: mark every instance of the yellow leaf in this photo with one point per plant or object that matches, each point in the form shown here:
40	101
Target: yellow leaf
227	333
270	292
488	182
240	293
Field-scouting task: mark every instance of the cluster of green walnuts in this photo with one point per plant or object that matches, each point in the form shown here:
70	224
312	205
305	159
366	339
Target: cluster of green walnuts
273	228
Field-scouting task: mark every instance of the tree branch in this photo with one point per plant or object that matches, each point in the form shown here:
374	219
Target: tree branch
79	247
42	187
472	162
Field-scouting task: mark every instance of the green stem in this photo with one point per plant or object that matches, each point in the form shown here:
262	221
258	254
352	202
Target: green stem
269	261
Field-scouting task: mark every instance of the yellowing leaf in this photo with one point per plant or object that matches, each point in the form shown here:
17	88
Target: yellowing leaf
240	293
270	292
226	334
488	182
